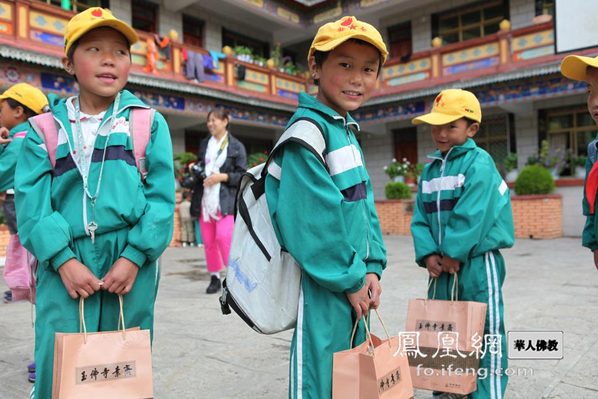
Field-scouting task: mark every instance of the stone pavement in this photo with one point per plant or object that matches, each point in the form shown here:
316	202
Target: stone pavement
551	285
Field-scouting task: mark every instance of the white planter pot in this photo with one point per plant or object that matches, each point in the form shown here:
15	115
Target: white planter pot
399	179
512	175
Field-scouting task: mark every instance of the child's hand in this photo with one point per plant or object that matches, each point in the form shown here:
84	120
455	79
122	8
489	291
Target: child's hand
121	277
374	289
360	300
78	279
450	265
434	265
4	133
596	258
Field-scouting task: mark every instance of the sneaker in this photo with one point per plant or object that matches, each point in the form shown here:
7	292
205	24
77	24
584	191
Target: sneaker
214	286
447	395
7	296
31	367
31	377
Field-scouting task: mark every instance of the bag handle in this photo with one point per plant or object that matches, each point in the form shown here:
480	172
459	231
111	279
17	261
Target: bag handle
454	289
83	327
367	330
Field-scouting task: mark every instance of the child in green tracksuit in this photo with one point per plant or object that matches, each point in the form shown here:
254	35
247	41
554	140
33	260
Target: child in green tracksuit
578	67
339	246
462	218
96	227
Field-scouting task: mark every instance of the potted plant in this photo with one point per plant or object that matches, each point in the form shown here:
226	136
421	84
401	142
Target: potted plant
533	180
243	53
578	165
510	165
397	190
553	160
256	158
414	170
396	171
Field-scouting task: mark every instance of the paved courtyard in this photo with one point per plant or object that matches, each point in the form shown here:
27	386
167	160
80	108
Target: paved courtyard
551	285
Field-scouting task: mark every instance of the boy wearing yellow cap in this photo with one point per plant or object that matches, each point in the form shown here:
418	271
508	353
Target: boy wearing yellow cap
586	69
340	248
94	223
462	219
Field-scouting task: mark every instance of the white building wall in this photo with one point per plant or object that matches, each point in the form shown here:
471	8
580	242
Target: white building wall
122	10
522	12
378	151
170	20
421	21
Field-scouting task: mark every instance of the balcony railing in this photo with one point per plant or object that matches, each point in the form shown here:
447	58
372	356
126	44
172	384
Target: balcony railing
38	28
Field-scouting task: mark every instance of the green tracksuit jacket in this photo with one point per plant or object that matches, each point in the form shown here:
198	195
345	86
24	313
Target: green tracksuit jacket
9	154
463	211
590	233
327	220
8	163
135	221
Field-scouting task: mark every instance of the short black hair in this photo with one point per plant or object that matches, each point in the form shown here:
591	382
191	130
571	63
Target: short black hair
12	103
469	121
321	56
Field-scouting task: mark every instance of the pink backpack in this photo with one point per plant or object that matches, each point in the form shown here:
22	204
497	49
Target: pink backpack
19	270
140	125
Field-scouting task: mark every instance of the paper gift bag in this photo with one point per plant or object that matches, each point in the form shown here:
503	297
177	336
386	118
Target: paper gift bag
376	369
448	339
111	364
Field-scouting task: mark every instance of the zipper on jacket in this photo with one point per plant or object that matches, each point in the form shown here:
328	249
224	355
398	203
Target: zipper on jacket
442	168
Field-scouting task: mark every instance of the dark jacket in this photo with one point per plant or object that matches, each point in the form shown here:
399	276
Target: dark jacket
235	165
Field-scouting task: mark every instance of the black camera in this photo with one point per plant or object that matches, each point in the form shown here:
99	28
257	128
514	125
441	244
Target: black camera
197	174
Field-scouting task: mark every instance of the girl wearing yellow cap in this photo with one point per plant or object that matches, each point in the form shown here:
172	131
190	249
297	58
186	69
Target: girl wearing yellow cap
95	225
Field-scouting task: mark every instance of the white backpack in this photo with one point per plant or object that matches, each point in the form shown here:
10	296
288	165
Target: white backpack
263	280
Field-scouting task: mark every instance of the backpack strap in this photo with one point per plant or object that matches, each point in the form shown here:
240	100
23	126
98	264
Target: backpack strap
592	151
140	128
45	126
304	131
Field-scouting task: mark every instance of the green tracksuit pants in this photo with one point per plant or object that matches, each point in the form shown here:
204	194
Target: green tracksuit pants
480	280
324	324
56	311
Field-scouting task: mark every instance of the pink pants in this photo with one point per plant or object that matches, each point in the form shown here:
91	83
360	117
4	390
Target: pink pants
217	236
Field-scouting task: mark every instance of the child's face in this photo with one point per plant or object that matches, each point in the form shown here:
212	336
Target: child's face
10	117
101	63
455	133
592	80
347	76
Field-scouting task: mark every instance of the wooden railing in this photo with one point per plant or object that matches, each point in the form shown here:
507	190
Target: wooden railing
38	27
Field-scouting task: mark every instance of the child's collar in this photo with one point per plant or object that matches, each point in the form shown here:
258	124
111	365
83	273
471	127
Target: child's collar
307	101
455	151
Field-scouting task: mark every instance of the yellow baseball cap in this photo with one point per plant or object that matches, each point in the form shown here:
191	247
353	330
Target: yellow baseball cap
27	95
574	66
92	18
450	105
333	34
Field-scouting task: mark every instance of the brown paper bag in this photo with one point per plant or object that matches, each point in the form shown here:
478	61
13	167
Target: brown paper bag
110	364
376	369
446	357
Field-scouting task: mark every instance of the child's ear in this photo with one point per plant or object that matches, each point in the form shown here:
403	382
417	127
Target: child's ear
19	112
67	64
473	129
314	69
